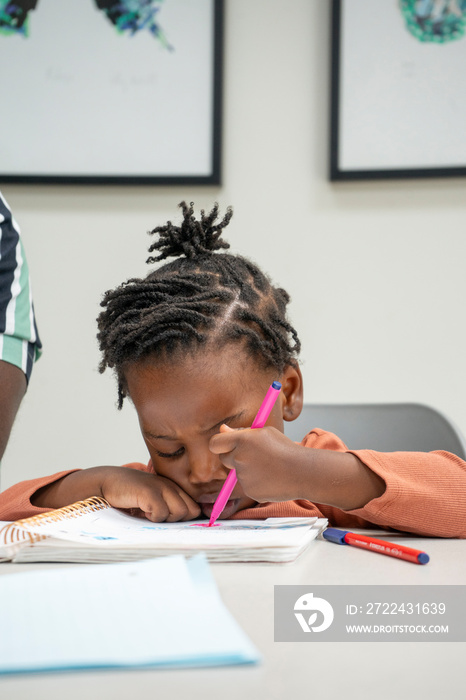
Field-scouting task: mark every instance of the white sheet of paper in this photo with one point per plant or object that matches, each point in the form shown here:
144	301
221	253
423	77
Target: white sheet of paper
158	612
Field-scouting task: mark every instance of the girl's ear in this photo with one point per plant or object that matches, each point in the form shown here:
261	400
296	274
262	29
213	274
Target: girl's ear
292	392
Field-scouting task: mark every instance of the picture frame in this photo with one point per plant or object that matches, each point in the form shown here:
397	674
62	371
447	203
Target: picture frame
397	107
101	97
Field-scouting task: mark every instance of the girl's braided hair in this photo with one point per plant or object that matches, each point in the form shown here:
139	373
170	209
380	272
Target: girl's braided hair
200	297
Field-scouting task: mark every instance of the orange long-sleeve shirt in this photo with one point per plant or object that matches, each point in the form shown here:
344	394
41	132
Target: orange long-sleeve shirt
425	493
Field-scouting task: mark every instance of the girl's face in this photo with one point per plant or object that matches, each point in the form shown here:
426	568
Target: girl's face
180	406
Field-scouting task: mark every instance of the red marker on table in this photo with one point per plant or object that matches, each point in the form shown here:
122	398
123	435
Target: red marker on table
259	421
399	551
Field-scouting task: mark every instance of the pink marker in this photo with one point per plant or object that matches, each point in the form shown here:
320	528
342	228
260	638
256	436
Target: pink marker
259	421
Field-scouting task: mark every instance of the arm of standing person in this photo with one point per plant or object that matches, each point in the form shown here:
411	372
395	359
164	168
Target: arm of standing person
12	389
20	345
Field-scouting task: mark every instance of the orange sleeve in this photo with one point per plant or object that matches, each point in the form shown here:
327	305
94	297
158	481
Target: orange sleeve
15	502
425	493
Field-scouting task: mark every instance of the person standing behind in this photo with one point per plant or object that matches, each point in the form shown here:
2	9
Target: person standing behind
20	344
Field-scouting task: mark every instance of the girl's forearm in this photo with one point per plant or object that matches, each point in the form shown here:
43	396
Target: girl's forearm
338	479
71	488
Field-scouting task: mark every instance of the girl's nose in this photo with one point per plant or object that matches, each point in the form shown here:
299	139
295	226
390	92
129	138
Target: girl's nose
205	466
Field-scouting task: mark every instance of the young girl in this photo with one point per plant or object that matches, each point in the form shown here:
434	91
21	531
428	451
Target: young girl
195	346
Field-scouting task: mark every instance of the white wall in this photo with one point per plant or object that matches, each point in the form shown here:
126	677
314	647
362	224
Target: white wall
375	269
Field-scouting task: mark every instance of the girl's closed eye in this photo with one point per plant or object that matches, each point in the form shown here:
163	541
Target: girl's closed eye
170	455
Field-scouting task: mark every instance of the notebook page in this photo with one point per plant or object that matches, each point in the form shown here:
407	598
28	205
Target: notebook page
111	527
163	612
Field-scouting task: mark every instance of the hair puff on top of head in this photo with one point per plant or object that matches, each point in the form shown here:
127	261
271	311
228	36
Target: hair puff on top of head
193	237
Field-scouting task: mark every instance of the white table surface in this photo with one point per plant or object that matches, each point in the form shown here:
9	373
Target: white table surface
389	670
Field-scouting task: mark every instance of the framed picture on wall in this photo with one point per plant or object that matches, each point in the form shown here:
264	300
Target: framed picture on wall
398	104
111	91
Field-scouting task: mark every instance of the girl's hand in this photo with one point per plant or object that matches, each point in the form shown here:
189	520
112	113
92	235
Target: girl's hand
263	459
155	497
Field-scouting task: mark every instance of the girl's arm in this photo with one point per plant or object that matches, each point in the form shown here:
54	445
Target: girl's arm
418	492
157	498
271	467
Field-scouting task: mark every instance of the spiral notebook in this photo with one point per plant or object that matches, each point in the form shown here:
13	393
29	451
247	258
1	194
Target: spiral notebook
93	531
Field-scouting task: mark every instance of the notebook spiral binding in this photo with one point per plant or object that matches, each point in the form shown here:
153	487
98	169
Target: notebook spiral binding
17	532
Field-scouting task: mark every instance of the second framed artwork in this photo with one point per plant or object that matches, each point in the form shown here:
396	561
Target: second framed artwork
111	91
398	105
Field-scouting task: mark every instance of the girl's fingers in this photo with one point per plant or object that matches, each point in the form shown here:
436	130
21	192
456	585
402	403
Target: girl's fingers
177	505
193	508
167	504
223	442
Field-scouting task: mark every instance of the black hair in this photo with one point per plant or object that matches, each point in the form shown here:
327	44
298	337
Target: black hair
200	297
